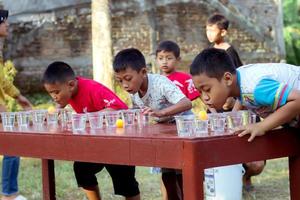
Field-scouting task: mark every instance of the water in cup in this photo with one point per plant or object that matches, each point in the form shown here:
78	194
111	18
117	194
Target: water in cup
95	119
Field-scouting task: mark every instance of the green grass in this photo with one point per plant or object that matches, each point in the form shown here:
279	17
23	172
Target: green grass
272	184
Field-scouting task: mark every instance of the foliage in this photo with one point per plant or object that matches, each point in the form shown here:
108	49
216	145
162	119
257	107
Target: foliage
292	30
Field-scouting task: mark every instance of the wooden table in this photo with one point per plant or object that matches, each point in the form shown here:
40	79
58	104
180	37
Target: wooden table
153	145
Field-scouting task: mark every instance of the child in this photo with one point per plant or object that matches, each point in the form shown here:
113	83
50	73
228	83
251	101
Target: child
155	93
216	30
10	165
167	58
271	90
86	95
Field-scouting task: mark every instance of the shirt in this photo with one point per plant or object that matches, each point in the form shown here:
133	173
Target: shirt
265	86
93	96
185	83
161	93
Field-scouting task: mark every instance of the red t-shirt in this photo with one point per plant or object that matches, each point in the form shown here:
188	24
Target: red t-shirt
93	96
185	83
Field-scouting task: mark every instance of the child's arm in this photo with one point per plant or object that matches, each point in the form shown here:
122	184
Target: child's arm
183	105
282	115
24	102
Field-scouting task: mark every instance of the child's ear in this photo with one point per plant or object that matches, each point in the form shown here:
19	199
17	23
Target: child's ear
228	78
72	84
144	71
223	32
178	58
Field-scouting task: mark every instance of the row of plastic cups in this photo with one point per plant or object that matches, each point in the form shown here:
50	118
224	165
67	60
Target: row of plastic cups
191	125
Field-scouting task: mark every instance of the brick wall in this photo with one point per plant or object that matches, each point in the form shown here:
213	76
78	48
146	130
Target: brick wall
65	33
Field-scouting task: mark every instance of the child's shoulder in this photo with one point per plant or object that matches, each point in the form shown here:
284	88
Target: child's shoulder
180	75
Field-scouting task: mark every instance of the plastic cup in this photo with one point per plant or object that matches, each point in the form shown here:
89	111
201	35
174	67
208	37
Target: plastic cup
8	120
52	118
66	119
78	122
23	119
235	120
201	127
128	117
217	123
185	125
95	120
111	118
142	119
38	117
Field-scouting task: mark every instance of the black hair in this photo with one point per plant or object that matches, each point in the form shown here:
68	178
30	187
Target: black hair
58	72
129	58
3	15
213	62
169	46
219	20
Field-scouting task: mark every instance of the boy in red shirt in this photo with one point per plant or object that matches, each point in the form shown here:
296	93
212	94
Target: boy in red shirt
86	95
167	58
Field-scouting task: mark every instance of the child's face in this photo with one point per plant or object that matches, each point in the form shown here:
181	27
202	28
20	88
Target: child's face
214	92
4	29
166	61
213	33
61	93
130	79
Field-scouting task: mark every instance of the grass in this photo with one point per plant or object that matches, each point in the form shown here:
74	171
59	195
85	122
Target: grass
272	184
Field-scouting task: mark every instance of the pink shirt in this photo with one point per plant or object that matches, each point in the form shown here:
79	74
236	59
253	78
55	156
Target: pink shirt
93	96
185	83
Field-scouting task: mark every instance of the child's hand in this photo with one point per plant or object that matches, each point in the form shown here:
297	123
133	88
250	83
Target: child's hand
252	129
152	112
23	101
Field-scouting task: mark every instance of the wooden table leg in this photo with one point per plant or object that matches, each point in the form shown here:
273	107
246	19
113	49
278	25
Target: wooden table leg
48	177
192	174
294	169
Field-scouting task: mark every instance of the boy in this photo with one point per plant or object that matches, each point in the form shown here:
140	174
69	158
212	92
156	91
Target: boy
271	90
167	58
216	30
155	93
10	165
86	95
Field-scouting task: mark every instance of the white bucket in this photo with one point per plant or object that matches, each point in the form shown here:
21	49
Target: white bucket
224	183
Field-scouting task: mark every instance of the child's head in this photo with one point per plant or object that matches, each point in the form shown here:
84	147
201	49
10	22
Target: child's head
130	69
216	28
167	56
3	23
60	82
213	74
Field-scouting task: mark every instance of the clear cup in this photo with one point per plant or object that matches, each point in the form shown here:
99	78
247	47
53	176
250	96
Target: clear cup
201	127
23	118
234	120
78	122
8	120
111	118
128	117
52	118
217	123
38	117
142	119
185	125
66	119
95	119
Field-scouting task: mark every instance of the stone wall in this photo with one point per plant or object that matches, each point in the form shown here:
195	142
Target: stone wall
62	31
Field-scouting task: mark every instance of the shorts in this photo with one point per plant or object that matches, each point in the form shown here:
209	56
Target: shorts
123	177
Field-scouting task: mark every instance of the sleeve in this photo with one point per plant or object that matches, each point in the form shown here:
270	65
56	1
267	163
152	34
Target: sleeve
172	93
269	92
105	98
190	90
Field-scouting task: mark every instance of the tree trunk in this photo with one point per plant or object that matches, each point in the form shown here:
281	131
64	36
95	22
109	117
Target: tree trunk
102	43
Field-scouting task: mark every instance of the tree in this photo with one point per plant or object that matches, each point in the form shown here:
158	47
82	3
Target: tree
102	43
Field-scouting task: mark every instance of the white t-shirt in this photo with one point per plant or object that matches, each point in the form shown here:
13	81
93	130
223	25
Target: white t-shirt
161	93
265	86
